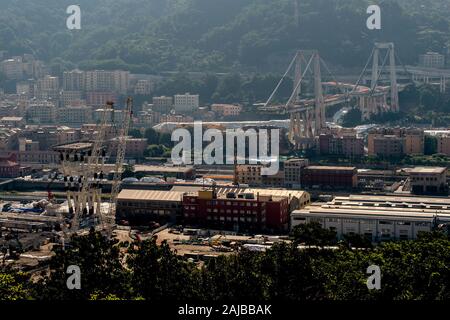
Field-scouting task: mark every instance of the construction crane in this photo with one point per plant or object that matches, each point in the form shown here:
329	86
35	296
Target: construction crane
92	173
83	167
120	158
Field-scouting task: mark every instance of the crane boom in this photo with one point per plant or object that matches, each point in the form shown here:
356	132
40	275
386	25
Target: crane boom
120	158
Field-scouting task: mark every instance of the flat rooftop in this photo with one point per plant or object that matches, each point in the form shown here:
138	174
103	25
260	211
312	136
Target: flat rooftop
394	199
330	168
11	118
428	170
325	212
150	168
150	195
78	146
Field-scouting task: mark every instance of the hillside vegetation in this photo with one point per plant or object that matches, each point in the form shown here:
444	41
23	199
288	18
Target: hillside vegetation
219	35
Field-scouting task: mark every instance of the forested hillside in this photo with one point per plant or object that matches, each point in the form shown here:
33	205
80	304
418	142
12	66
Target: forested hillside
219	35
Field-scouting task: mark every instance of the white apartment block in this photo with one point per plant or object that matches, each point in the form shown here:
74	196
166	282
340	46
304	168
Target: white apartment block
42	112
432	60
186	102
13	68
117	81
162	104
69	98
47	83
101	80
143	87
74	115
379	218
112	116
74	80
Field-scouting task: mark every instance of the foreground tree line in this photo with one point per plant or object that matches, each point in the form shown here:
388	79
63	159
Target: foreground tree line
410	270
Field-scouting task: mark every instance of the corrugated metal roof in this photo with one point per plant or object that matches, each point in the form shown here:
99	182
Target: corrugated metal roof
128	194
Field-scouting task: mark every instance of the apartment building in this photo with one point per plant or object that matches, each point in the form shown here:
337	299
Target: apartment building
71	98
102	80
12	68
74	80
135	147
396	142
346	145
74	116
41	112
99	99
432	60
143	87
186	102
162	104
248	174
227	110
292	171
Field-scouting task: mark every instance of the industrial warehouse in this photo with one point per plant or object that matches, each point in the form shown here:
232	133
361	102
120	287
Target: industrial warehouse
378	218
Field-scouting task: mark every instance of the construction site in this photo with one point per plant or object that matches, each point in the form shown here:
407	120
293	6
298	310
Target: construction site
30	228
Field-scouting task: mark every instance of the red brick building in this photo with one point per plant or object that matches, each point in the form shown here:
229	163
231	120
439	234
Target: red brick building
329	177
239	212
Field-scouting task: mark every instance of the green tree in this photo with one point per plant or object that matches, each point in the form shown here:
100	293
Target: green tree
313	234
14	285
135	133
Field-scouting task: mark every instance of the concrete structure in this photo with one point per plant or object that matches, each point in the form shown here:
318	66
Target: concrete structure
330	177
70	98
103	81
395	142
443	144
347	145
143	87
432	60
186	102
75	116
139	207
12	68
112	116
74	80
248	174
135	147
386	146
9	167
100	98
428	180
162	104
186	173
43	112
28	145
292	171
227	110
47	83
379	218
12	122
